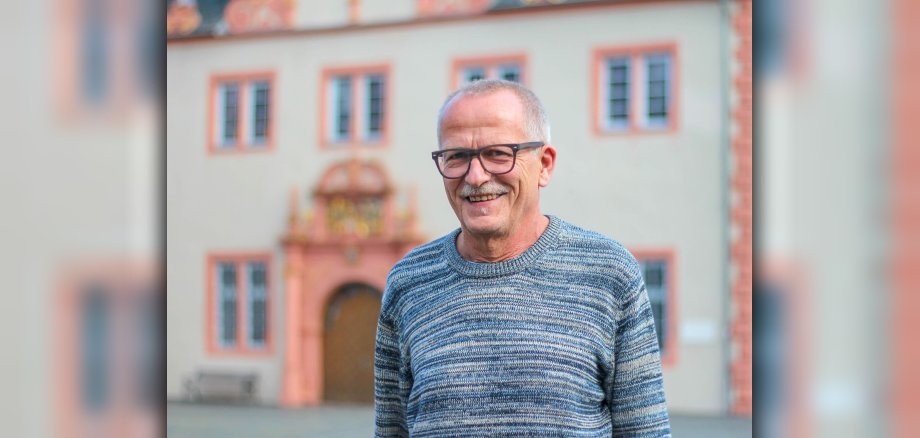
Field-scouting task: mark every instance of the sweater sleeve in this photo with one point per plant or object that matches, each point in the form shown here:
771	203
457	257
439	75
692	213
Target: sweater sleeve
391	385
634	391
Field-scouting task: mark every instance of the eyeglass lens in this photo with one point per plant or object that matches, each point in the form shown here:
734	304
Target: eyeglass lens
495	159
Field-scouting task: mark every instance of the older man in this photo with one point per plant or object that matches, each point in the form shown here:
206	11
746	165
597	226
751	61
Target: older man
517	323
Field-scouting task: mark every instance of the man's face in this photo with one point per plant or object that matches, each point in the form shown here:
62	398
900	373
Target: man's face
500	202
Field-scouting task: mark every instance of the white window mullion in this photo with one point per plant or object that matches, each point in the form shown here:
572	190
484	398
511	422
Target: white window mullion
242	111
359	113
251	113
332	109
250	301
242	329
220	115
640	90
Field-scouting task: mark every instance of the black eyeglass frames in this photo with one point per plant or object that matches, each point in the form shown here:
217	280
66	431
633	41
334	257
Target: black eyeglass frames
496	159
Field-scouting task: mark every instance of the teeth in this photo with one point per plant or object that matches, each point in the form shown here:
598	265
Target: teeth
483	198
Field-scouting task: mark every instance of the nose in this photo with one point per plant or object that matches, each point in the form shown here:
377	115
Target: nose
476	176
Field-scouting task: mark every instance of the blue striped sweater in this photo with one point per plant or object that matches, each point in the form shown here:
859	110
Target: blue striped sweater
558	341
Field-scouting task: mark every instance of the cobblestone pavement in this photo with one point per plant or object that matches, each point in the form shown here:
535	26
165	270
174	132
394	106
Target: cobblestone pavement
330	421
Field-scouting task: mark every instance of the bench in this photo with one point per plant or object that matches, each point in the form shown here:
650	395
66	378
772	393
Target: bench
222	386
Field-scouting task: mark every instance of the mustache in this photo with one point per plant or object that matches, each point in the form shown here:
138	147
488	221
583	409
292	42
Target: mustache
489	188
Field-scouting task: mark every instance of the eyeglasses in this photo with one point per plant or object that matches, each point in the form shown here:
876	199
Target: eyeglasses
496	159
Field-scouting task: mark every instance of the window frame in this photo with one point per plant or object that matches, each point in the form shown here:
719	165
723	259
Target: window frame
638	121
132	292
667	258
491	66
245	113
244	344
359	104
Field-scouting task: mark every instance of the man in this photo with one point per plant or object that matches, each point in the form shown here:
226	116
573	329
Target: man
516	324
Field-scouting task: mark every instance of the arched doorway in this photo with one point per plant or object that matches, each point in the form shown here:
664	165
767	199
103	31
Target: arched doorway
337	256
350	329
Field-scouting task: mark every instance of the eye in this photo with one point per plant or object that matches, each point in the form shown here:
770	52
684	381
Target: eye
497	153
455	156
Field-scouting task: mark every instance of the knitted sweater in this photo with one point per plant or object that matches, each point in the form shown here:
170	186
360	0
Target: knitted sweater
558	341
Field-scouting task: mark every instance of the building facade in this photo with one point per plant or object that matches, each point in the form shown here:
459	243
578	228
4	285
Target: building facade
298	172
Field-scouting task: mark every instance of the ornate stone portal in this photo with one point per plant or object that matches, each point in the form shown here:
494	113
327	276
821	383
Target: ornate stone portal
353	236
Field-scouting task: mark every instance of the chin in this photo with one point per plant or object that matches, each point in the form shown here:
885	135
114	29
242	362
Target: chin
484	226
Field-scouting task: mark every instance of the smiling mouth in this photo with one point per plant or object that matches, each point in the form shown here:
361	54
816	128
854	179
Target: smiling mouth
482	198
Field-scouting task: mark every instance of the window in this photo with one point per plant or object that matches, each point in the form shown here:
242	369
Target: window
258	300
342	109
634	89
355	109
241	107
508	67
228	117
657	89
227	304
374	105
657	271
474	73
618	92
108	361
96	340
260	111
654	272
510	72
239	315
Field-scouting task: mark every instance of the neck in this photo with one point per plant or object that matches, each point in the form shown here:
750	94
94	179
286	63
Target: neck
496	248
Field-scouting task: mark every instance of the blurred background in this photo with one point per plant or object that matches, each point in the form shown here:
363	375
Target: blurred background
286	170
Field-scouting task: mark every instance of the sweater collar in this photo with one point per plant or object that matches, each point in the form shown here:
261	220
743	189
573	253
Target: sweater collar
505	267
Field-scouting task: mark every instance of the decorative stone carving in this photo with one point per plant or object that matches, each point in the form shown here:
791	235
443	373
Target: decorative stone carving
258	15
182	19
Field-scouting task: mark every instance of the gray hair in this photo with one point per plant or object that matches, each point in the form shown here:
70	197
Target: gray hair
536	123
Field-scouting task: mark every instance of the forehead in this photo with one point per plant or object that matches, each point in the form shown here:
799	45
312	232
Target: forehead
494	117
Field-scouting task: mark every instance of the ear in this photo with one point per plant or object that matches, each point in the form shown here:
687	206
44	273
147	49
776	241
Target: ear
547	164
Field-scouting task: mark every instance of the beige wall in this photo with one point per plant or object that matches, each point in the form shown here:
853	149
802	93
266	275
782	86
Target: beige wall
329	13
375	11
650	191
321	13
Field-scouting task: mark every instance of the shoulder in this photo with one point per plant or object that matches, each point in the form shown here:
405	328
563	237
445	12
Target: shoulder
597	253
419	261
416	266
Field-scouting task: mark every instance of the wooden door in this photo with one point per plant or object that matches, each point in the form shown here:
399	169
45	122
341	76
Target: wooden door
348	344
